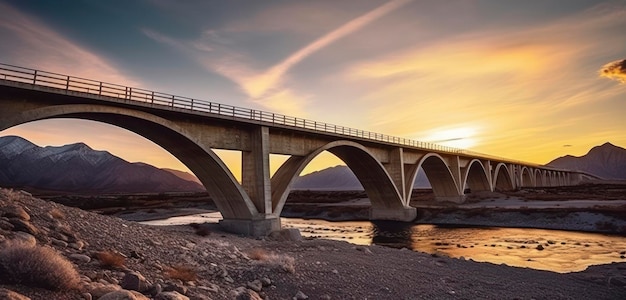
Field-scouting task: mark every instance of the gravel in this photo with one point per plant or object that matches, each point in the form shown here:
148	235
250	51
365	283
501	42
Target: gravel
309	269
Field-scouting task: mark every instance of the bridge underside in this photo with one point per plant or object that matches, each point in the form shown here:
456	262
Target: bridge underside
253	206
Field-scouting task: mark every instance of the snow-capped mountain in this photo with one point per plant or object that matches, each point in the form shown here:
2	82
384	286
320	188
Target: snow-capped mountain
607	161
78	168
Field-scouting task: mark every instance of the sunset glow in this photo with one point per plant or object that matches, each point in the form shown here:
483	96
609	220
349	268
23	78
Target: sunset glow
515	79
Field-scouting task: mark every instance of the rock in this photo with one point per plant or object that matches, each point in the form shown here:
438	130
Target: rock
255	285
123	295
242	293
80	258
135	254
364	249
170	296
58	243
154	289
98	289
539	247
78	245
25	226
300	296
134	281
14	211
11	295
287	234
87	296
59	236
266	281
175	287
6	225
25	238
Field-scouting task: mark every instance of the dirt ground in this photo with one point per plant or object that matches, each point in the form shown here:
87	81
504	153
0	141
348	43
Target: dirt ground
228	266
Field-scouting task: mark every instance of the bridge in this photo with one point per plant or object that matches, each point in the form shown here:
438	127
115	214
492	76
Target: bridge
189	129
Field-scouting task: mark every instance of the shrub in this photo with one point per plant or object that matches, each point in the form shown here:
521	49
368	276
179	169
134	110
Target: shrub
257	254
183	273
273	260
37	267
110	259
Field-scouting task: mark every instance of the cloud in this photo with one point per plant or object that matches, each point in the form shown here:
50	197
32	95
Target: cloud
615	70
268	88
30	43
519	85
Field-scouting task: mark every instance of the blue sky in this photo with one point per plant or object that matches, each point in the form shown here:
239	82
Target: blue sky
518	79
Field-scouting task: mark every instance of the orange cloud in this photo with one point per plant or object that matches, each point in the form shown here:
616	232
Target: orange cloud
615	70
32	43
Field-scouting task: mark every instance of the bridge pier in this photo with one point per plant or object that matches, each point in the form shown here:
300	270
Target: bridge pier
254	227
404	214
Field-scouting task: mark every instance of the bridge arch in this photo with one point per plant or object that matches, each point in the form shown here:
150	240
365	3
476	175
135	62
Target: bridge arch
372	175
526	178
229	196
441	179
502	178
538	178
476	177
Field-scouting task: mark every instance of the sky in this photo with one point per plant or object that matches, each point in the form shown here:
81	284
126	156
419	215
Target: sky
526	80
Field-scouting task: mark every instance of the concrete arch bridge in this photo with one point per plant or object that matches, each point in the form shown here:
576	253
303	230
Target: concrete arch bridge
190	129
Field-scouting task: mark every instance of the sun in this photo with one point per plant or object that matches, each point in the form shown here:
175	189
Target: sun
460	137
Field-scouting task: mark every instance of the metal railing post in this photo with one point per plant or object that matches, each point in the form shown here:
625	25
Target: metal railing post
100	89
35	77
67	83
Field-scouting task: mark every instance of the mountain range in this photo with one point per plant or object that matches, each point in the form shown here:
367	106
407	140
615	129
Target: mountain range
78	168
606	161
341	178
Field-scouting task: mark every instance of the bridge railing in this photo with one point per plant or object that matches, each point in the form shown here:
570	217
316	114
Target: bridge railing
169	101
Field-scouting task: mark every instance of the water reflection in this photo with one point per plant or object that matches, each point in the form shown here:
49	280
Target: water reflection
392	234
553	250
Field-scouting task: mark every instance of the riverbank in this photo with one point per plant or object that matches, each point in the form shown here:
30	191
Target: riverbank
226	265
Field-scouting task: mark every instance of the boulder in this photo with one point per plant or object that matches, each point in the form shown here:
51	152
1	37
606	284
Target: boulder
14	211
171	296
24	226
135	281
287	234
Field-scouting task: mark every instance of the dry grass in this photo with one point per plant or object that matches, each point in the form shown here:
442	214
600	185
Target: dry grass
57	214
272	260
257	254
183	273
110	259
37	267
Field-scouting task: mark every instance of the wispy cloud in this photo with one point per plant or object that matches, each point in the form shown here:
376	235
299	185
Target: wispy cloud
267	88
28	42
511	82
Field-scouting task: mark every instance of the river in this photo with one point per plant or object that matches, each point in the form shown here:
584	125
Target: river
552	250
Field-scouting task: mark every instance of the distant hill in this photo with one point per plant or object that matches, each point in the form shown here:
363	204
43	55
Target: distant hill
607	161
78	168
183	175
341	178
